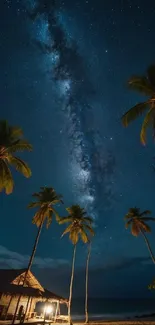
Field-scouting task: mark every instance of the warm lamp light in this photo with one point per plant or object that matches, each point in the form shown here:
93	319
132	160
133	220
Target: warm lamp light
48	309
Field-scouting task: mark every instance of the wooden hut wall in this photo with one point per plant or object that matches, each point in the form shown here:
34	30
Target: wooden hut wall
23	302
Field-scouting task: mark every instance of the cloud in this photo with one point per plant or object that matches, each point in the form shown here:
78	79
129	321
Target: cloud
107	278
125	262
120	278
11	259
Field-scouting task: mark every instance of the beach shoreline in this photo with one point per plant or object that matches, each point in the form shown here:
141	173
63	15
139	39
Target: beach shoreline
120	322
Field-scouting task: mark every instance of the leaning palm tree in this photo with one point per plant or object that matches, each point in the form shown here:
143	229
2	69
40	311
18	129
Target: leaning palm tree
146	86
11	141
45	201
78	228
138	222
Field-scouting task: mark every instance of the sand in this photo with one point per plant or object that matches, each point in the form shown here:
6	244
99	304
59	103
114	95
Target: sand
125	322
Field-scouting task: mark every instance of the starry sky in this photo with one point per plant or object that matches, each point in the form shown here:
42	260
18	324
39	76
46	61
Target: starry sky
64	68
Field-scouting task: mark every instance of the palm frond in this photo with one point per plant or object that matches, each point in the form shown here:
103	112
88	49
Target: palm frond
40	216
74	237
34	205
145	227
36	195
128	216
144	213
6	180
45	199
49	218
152	285
57	217
63	220
90	229
20	145
20	165
84	236
134	112
146	124
1	175
147	219
48	195
137	220
79	224
76	211
68	229
88	219
141	84
15	132
135	229
128	223
58	200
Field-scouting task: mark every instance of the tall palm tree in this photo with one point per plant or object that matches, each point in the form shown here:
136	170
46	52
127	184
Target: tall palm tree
11	141
146	86
79	227
138	222
45	201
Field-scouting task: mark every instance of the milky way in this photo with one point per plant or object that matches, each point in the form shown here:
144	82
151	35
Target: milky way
91	166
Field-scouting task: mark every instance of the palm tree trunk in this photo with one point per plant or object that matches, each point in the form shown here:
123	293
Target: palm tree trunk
148	246
71	286
28	268
87	269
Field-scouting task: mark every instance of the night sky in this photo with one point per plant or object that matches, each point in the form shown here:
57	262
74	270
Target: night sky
80	146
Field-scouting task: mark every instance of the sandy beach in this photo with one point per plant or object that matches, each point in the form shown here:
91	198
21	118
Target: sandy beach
110	322
125	322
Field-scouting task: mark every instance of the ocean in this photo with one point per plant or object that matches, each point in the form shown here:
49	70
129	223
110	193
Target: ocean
99	308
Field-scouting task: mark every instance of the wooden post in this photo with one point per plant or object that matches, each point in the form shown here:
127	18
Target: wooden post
59	310
45	312
8	307
56	311
30	307
68	307
24	316
11	300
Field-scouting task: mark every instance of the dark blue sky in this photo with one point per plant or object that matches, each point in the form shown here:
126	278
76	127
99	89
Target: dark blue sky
80	149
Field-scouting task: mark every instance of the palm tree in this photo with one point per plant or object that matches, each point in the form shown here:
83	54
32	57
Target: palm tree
11	141
79	227
146	86
45	201
138	222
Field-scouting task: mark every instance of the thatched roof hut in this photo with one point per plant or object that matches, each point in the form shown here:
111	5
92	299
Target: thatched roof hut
11	284
11	288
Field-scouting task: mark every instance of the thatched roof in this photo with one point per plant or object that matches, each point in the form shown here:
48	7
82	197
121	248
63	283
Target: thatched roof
50	295
9	286
15	276
15	290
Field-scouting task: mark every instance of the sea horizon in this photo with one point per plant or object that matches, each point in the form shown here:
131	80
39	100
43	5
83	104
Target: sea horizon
112	308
